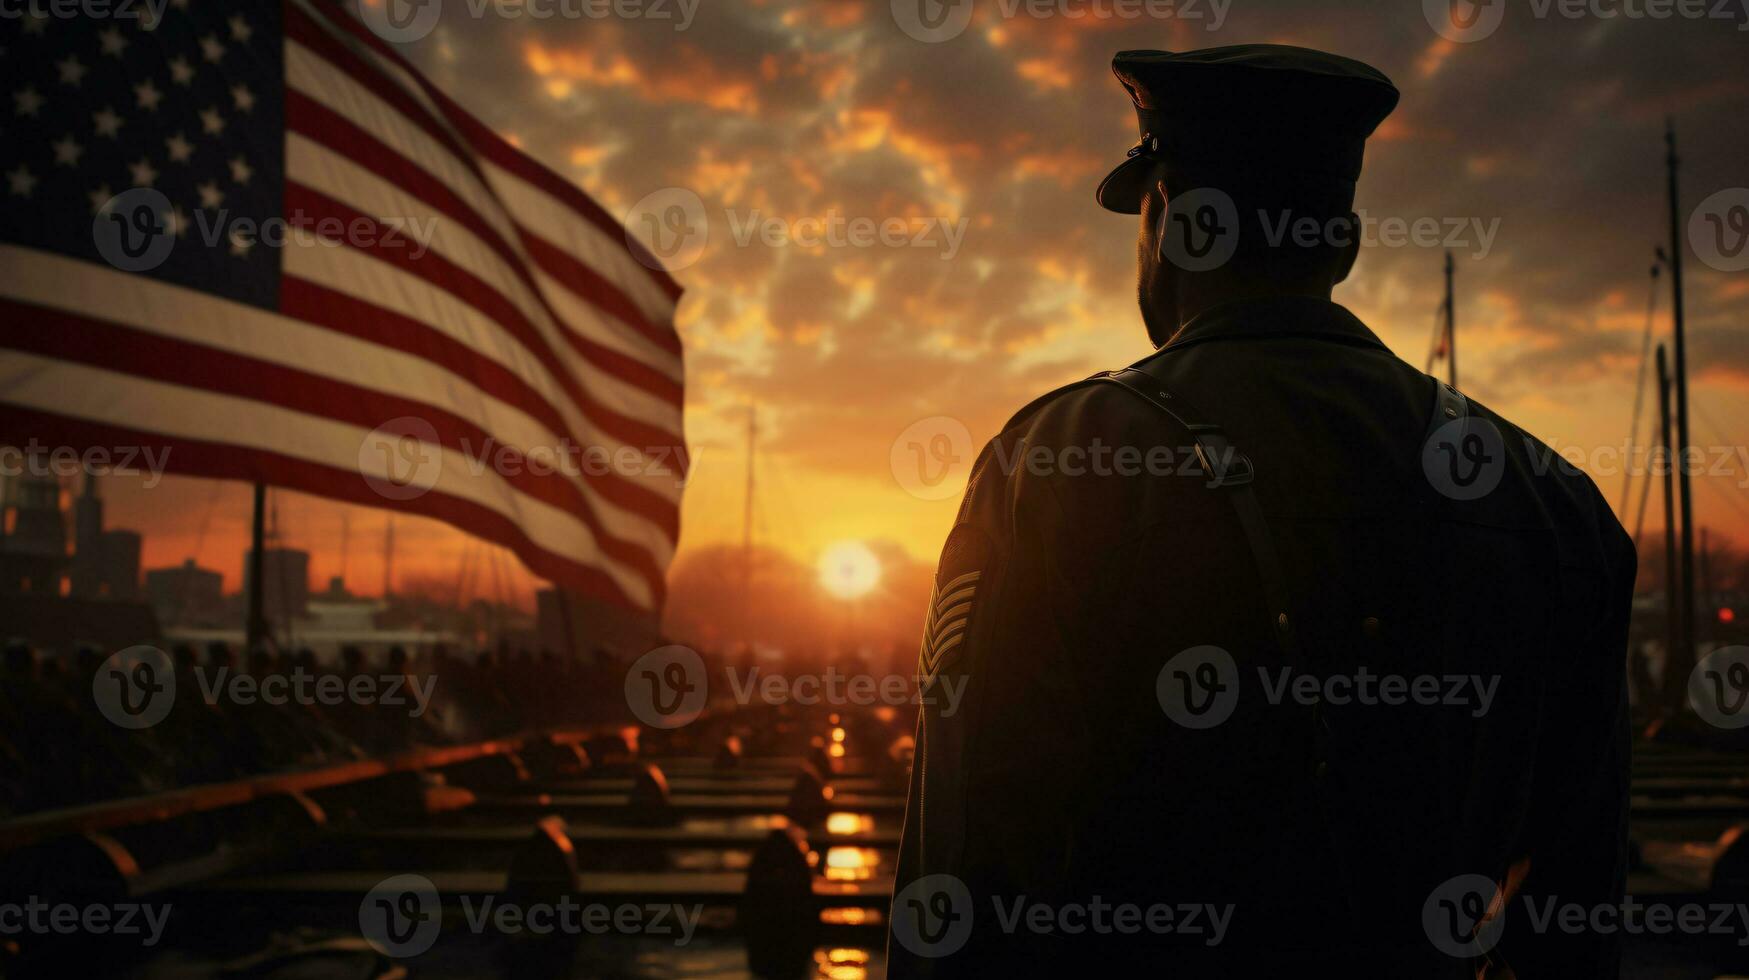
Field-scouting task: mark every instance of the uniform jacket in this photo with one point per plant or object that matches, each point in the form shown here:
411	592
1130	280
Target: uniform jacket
1091	551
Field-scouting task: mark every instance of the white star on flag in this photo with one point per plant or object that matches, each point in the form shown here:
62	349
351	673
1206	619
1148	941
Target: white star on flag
72	70
179	147
107	122
113	42
21	181
27	101
148	95
144	174
67	150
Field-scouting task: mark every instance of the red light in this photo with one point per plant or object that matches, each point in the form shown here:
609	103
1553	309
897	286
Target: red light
1727	614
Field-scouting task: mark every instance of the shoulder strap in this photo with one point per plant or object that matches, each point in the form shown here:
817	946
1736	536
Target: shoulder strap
1448	404
1231	472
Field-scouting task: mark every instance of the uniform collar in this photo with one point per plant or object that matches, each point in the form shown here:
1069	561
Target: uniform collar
1275	316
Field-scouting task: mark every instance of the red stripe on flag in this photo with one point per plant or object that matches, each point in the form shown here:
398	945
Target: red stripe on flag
443	274
123	349
492	146
316	304
594	288
305	116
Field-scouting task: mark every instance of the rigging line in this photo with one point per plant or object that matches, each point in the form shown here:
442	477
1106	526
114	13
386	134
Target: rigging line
1736	501
1640	385
1646	492
1713	427
1438	335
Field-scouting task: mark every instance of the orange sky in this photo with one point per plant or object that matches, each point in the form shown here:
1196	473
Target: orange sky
1547	132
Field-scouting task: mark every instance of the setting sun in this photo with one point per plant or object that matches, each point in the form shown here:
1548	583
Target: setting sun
849	570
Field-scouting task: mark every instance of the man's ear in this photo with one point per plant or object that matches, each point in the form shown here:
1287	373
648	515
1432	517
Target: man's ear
1350	251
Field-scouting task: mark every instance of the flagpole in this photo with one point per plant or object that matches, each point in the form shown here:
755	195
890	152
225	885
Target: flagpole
1450	325
1675	688
255	622
1685	615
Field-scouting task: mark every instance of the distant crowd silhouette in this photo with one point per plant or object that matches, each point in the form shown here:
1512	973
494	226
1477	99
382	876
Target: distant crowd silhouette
57	749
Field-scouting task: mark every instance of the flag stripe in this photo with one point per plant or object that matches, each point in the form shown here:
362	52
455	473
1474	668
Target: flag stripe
370	290
117	348
384	73
468	287
443	184
636	507
494	148
336	311
622	384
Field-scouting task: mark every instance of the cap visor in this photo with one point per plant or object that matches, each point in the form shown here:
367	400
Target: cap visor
1122	190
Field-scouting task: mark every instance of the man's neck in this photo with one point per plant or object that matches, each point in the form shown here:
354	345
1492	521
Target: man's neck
1194	298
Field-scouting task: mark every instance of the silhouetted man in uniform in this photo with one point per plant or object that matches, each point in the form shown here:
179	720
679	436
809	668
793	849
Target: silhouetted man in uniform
1279	657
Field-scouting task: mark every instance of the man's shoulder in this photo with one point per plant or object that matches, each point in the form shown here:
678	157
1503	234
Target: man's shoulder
1093	406
1570	499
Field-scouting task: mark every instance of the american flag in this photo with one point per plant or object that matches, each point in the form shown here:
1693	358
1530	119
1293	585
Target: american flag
450	329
